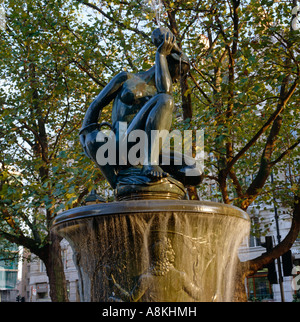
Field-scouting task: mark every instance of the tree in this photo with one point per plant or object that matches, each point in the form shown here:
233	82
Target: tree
243	89
43	170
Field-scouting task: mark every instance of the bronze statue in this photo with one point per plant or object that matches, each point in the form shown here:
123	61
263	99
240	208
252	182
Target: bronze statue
144	101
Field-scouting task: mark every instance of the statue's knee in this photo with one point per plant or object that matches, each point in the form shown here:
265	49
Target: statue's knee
166	100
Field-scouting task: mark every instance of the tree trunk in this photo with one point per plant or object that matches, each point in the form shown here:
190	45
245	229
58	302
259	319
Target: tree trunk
240	294
55	270
252	266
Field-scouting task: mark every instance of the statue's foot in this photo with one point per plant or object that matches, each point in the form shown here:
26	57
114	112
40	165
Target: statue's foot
154	172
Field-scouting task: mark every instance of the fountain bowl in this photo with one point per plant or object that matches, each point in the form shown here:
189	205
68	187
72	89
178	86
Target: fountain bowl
155	250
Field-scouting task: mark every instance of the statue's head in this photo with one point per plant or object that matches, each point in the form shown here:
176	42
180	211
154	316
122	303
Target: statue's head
177	60
162	251
158	34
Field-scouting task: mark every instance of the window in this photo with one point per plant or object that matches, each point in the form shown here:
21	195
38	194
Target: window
8	278
68	288
259	287
255	233
42	267
64	258
254	241
41	291
77	291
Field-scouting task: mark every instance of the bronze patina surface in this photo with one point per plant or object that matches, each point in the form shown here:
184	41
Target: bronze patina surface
145	102
155	250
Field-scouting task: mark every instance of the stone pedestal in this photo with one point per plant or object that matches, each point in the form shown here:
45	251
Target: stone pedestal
155	250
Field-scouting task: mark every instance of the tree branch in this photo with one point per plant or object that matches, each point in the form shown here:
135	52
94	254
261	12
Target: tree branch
11	222
281	248
264	128
212	85
117	22
199	88
21	240
292	147
65	121
88	73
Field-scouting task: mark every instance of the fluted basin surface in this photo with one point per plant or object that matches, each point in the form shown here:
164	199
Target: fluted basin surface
155	250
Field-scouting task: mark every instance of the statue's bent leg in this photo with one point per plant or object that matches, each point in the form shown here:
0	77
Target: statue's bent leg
156	114
175	163
159	119
141	118
137	123
91	146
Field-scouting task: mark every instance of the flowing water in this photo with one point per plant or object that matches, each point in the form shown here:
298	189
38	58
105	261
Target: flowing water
156	6
150	256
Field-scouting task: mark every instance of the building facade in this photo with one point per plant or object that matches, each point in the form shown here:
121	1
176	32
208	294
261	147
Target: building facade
34	284
266	284
8	273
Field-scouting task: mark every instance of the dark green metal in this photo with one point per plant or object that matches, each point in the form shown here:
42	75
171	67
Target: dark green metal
143	100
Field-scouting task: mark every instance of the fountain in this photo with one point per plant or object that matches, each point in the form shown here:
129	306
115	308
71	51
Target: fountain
151	244
155	250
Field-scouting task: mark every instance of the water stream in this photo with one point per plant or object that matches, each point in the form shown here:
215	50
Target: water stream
173	255
156	6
